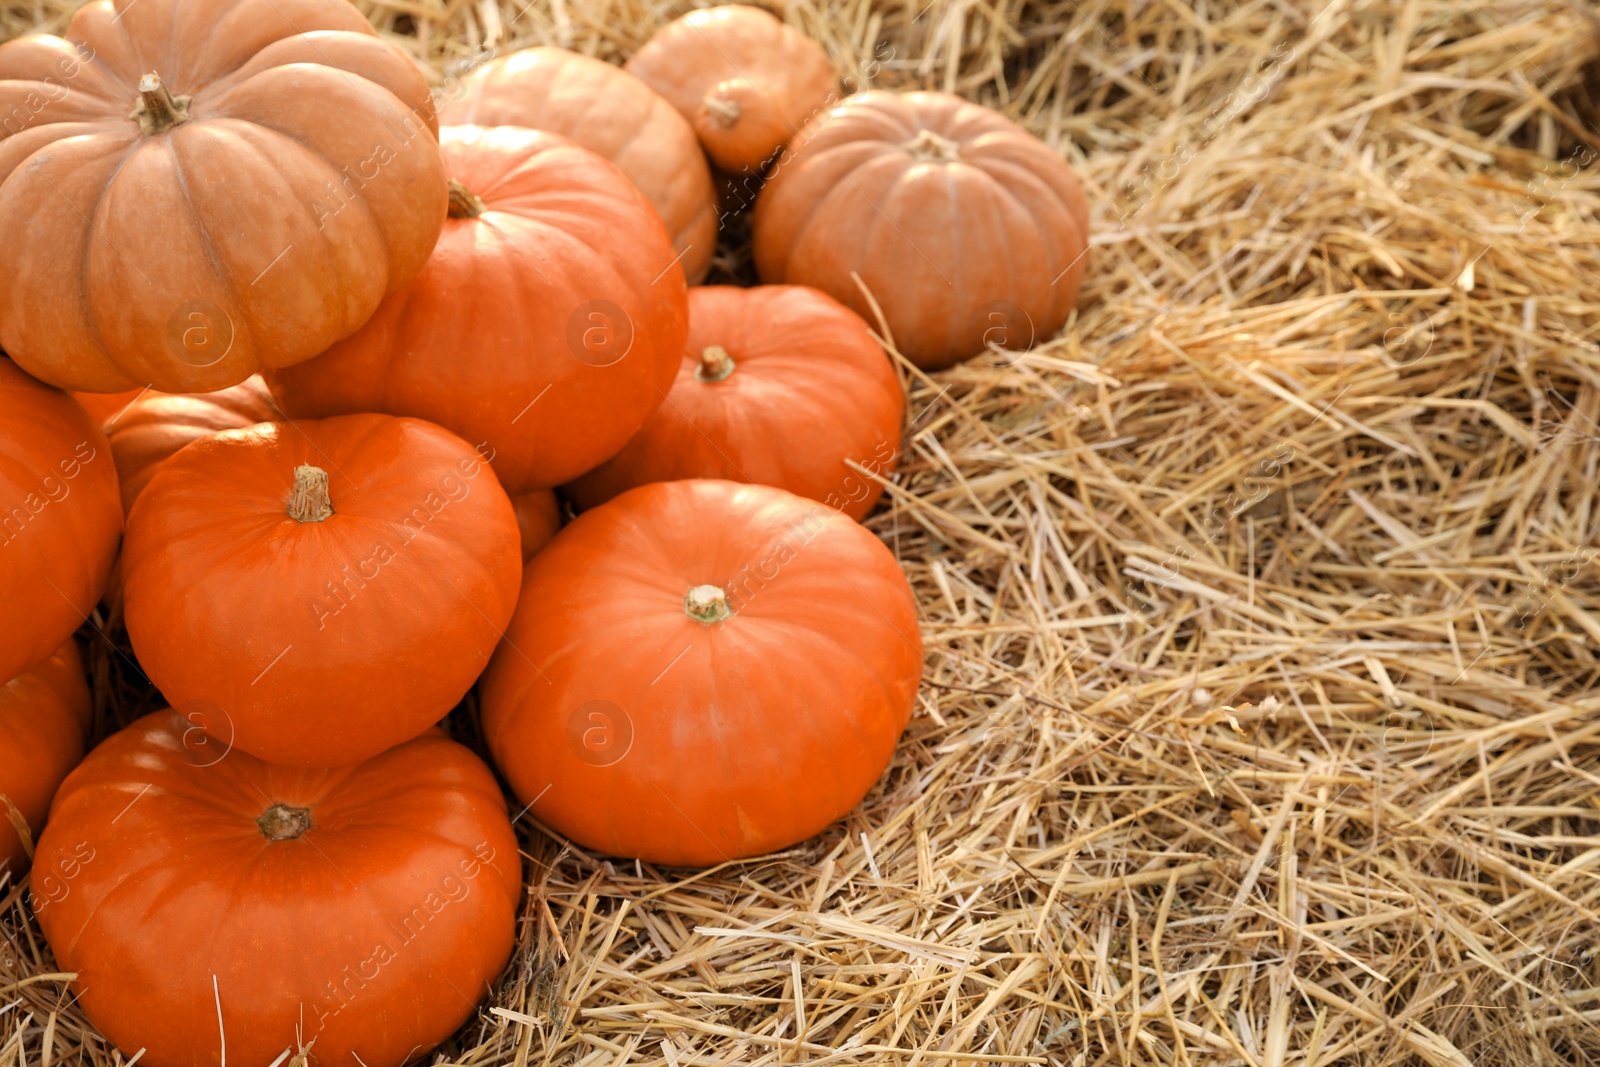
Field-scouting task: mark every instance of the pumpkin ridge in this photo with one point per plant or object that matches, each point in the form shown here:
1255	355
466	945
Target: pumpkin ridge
205	234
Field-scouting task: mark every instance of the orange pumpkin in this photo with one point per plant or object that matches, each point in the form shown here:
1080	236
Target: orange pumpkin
320	592
744	80
203	903
545	328
701	670
156	425
611	112
191	190
779	385
969	231
538	519
103	406
59	518
44	717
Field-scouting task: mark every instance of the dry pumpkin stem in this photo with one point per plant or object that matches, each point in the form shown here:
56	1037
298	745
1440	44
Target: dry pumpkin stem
1261	608
308	501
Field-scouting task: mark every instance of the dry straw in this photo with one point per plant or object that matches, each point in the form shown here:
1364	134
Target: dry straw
1261	608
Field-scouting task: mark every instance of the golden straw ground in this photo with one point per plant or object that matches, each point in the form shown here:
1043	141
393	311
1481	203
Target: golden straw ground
1262	608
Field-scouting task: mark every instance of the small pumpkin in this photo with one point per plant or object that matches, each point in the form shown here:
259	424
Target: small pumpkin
746	81
59	518
545	328
202	902
191	190
970	233
608	111
320	592
538	520
700	671
156	425
779	384
44	718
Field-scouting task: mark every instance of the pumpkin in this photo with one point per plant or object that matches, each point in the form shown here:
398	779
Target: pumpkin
970	233
744	80
156	425
779	385
104	406
59	518
538	519
320	591
44	717
202	902
192	190
611	112
700	671
545	328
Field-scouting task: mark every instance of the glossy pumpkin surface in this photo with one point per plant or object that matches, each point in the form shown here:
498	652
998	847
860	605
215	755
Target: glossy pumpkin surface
44	718
702	670
202	900
153	427
969	231
546	326
744	80
323	591
779	385
608	111
60	518
192	190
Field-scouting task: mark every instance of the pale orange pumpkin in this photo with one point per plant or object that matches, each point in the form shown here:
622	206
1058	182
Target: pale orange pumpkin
612	113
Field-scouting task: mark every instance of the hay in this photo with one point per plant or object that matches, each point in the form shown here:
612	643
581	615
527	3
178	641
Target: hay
1261	608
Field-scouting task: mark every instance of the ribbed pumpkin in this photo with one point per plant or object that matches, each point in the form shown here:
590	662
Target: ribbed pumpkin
609	111
547	325
744	80
156	425
44	718
191	190
780	385
322	591
59	518
201	903
968	230
700	671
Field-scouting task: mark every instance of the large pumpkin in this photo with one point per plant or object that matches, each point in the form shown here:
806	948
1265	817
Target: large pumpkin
746	81
192	190
44	717
322	591
701	670
970	233
545	328
779	385
156	425
202	902
59	518
609	111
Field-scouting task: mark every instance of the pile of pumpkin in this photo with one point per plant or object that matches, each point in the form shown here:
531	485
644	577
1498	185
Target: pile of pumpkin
343	356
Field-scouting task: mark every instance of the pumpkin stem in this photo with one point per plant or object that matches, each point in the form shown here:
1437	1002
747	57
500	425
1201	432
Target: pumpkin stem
707	604
310	502
158	110
464	204
725	111
930	147
283	823
715	364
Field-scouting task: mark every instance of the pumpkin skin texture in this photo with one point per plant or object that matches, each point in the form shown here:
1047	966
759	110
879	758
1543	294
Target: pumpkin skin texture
156	425
967	229
744	80
640	731
281	176
59	518
538	520
610	112
44	718
543	330
405	883
103	406
807	388
325	641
